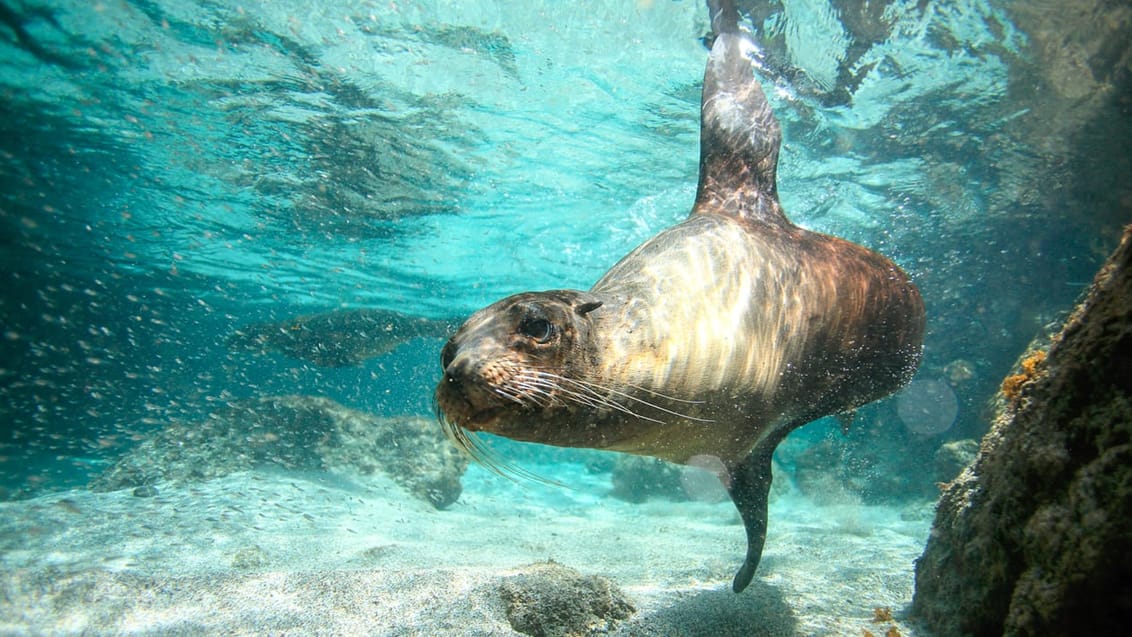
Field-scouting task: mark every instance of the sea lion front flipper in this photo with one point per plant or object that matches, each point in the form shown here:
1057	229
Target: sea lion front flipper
749	487
739	136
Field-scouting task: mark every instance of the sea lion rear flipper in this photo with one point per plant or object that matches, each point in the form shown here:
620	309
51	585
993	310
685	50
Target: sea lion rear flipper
739	136
750	489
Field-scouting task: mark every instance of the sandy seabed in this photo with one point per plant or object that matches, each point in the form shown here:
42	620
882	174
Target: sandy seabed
288	553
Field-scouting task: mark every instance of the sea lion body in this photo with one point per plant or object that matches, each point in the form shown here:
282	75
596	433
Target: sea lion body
753	327
717	337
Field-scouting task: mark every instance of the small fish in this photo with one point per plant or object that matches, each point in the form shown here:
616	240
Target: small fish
70	506
340	338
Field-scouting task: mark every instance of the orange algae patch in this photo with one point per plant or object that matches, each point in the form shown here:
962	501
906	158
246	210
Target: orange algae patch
1012	385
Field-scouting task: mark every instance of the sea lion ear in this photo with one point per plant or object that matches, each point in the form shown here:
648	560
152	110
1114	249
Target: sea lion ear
585	307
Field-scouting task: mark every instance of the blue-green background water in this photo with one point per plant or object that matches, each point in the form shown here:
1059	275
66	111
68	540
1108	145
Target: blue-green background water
173	170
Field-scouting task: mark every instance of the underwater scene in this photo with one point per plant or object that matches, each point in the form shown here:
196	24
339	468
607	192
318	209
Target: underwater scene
242	242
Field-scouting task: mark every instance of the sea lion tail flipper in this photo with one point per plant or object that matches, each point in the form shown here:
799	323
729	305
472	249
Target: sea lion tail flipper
724	16
750	489
739	136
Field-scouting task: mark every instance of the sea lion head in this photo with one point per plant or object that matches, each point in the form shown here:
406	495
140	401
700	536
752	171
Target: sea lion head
512	368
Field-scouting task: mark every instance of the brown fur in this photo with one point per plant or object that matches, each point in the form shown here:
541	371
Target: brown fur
718	336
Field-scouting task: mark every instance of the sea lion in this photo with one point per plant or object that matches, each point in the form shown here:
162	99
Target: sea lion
716	337
338	338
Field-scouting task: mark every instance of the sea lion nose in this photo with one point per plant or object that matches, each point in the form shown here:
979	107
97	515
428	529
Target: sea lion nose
452	381
455	373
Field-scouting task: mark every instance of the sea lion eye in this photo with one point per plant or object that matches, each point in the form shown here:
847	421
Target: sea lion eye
539	329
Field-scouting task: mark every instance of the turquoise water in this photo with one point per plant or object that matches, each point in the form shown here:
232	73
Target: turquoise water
173	170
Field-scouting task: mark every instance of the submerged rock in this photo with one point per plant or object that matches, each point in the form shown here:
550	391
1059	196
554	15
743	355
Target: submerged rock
952	457
1034	537
295	432
638	478
551	600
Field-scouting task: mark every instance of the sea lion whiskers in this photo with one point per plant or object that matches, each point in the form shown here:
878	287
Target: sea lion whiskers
547	382
538	387
665	396
528	391
653	392
466	444
608	403
485	456
585	395
519	394
555	392
593	390
646	403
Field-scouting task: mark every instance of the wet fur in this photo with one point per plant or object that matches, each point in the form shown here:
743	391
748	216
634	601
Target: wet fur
717	336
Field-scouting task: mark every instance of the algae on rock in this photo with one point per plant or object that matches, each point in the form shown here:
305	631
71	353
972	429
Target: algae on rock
1034	538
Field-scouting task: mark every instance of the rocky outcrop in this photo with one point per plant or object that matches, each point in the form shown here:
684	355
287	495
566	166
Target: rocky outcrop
1034	537
551	600
294	432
